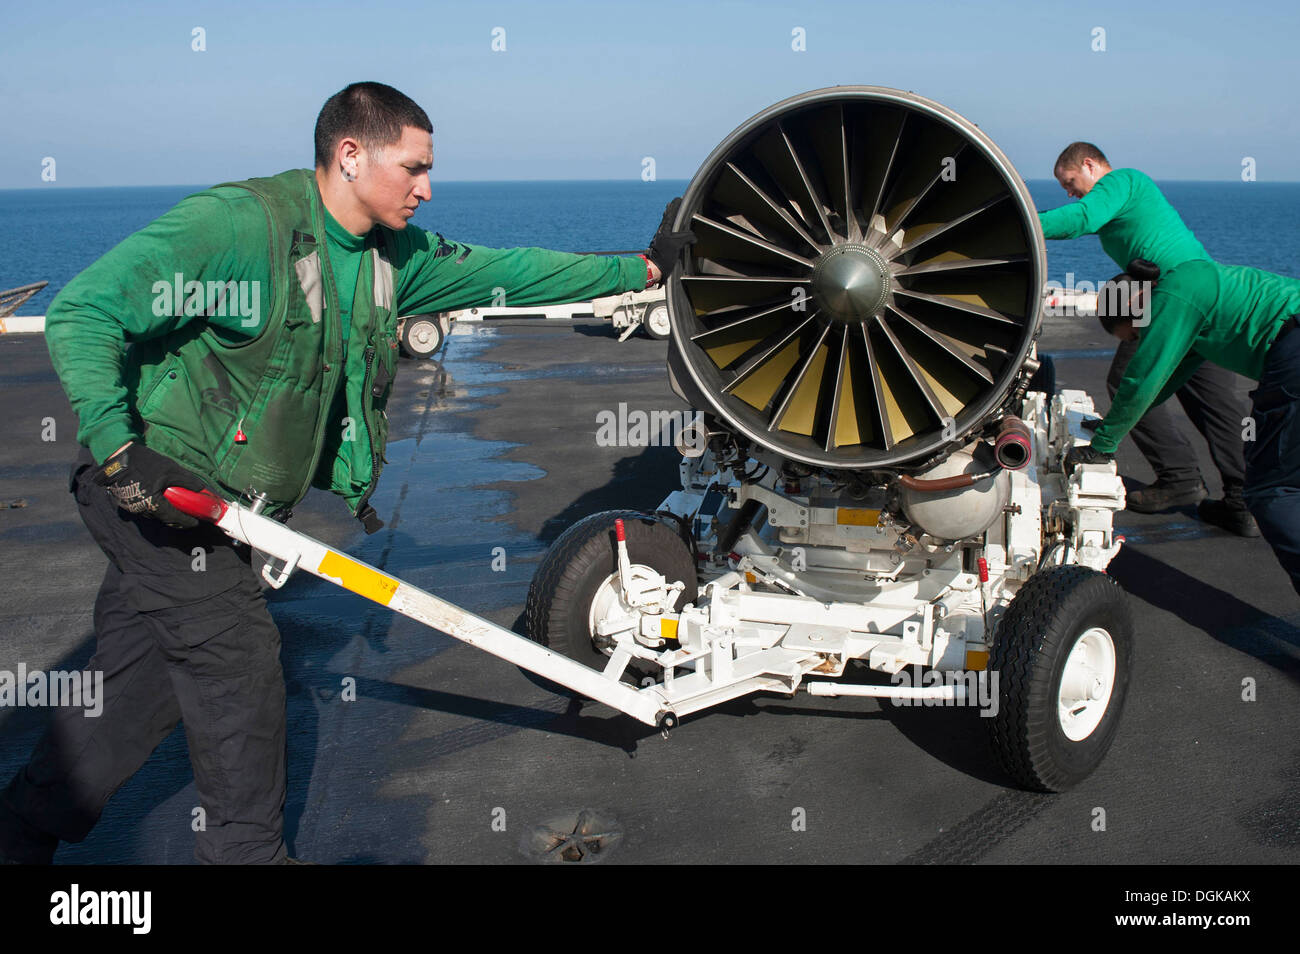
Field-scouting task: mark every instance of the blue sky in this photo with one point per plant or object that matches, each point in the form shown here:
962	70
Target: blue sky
584	90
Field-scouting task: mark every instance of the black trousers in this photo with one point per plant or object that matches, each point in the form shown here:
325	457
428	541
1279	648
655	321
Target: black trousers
1273	457
1217	409
175	643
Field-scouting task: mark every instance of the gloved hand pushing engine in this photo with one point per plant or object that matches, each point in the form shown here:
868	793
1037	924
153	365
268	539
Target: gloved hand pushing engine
666	247
136	477
1085	454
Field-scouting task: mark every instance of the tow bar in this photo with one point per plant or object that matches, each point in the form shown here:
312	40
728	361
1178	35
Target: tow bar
297	551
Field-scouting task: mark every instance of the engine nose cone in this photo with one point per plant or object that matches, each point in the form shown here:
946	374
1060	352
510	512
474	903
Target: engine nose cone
851	282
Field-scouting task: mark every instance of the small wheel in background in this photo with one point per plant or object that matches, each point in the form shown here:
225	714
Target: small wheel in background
656	322
421	335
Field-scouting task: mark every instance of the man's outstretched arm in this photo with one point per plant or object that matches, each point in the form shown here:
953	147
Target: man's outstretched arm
475	276
440	275
437	275
1084	217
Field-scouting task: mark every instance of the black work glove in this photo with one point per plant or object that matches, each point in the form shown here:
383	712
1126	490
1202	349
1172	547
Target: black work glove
666	247
136	478
1085	454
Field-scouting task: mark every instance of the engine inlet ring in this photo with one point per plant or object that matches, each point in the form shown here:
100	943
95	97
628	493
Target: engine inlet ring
866	284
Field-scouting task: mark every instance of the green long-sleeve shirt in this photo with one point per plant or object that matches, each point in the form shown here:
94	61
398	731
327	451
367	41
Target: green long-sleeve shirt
346	252
221	236
1200	311
1133	219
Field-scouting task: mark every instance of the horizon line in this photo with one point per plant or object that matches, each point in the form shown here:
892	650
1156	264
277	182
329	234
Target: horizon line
188	185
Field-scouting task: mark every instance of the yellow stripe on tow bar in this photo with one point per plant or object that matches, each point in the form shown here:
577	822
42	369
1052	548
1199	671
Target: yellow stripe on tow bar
667	628
359	578
857	517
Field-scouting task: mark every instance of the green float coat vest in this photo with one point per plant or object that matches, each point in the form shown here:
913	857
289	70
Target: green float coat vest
260	414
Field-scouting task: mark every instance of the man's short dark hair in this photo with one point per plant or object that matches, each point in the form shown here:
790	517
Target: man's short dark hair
1072	156
371	113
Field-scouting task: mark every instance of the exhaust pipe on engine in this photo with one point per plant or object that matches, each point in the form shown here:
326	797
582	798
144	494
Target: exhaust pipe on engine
1014	446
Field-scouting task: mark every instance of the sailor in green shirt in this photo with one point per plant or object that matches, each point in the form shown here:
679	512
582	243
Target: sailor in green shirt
1122	207
245	341
1242	319
1134	220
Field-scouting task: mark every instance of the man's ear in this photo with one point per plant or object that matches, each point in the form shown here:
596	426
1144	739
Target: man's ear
347	152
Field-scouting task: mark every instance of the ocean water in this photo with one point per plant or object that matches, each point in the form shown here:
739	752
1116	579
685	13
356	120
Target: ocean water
53	234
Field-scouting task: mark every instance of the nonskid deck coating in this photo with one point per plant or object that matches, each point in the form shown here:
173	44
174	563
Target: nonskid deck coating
441	736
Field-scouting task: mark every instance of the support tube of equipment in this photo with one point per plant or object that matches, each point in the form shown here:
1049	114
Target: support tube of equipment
1014	447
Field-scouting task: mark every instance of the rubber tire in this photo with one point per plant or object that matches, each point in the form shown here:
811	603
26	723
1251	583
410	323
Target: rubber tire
645	321
583	557
1036	635
417	349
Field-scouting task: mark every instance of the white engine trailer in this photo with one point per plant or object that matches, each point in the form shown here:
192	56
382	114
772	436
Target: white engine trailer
746	581
878	475
662	615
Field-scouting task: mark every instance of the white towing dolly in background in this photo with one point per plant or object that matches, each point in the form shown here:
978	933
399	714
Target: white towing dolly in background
422	335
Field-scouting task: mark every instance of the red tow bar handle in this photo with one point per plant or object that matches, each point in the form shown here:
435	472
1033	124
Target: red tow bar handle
197	503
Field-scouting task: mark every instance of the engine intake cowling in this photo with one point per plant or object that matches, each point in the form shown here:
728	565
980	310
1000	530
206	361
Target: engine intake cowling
866	284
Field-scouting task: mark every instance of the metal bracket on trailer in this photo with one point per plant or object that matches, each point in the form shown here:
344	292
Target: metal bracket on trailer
299	551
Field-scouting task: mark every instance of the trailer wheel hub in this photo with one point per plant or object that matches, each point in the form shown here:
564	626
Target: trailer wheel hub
1086	684
610	604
